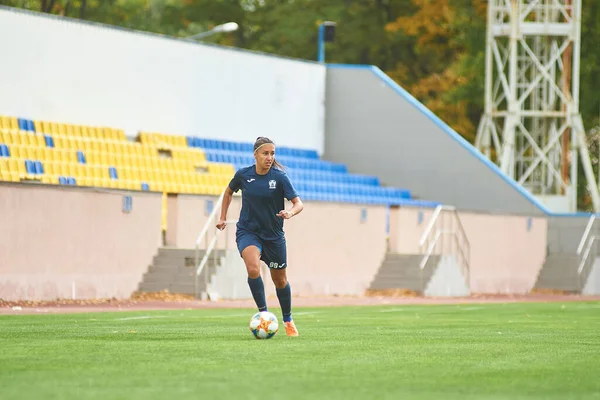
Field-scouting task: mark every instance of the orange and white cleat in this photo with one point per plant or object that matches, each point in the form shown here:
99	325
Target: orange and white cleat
290	329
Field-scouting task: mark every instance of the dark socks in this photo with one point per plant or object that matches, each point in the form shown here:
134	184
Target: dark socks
285	301
258	292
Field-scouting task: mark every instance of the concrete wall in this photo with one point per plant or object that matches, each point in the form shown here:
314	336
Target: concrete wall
331	248
377	128
507	251
53	237
56	242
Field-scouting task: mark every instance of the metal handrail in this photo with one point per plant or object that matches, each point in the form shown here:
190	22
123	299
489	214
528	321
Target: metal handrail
211	217
586	254
463	248
432	222
586	233
585	245
200	264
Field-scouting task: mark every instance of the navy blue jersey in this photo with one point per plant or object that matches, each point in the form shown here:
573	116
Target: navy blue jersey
262	198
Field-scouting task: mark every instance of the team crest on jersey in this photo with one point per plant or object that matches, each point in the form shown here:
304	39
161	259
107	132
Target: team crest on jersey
272	184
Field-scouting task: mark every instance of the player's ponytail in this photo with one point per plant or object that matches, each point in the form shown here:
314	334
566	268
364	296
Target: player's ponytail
260	141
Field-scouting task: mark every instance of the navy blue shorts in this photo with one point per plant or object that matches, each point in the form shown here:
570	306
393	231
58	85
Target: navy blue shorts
272	252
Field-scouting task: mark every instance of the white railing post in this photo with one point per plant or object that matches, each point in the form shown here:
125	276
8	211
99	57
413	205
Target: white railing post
584	249
210	245
434	234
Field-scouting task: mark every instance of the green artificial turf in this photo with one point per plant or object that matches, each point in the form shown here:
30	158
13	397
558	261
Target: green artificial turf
475	351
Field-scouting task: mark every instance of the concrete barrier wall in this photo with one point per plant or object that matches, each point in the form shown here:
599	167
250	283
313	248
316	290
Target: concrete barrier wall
58	242
65	242
507	251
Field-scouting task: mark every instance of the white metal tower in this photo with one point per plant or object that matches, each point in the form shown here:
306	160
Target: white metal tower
532	127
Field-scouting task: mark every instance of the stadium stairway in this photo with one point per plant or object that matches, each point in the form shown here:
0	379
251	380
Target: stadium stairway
173	270
441	276
402	272
559	272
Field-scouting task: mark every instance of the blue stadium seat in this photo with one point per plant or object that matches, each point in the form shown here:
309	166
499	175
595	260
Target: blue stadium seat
62	180
38	167
4	151
49	141
81	157
145	186
22	124
112	172
29	167
71	181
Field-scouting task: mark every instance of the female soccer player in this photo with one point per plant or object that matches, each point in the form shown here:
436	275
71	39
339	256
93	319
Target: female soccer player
259	233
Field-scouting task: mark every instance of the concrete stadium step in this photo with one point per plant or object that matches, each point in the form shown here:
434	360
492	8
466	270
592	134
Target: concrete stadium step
179	288
402	271
559	272
165	269
181	257
174	270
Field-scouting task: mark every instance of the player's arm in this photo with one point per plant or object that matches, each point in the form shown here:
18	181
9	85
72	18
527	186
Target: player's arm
224	207
233	186
297	208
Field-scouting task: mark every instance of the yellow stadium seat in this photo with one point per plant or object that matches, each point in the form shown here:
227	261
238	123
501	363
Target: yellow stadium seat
80	170
133	185
59	143
69	130
134	175
99	133
81	144
15	137
38	127
62	129
13	123
112	148
50	154
91	157
64	156
24	138
124	173
103	158
84	181
95	146
134	162
34	141
50	168
142	137
119	134
30	152
89	132
39	154
181	141
16	166
144	175
40	140
147	151
15	151
45	127
4	122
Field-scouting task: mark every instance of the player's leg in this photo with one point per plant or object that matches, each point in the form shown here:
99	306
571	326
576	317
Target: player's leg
250	248
275	256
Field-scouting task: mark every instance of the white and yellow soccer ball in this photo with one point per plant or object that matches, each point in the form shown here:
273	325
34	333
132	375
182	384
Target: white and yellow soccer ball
264	325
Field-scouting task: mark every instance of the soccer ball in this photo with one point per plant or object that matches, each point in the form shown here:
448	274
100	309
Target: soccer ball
264	325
